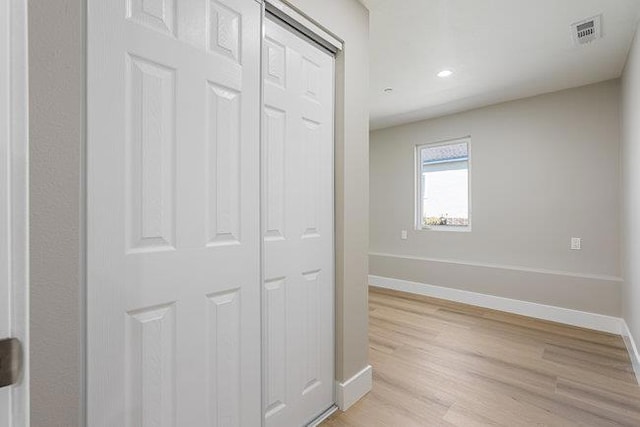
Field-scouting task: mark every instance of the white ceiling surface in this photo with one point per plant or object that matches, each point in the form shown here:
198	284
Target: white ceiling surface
499	50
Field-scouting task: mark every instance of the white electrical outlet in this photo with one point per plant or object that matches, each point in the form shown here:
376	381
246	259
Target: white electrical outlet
403	234
576	243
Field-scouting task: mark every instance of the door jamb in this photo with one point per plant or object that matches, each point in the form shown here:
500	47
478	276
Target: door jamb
18	198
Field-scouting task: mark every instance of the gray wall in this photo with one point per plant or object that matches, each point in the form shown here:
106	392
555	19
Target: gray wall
56	74
543	169
349	21
57	79
631	189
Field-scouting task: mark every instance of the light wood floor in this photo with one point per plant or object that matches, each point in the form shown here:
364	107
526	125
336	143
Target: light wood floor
438	363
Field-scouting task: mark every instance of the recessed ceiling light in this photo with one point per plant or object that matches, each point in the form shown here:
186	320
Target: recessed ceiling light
388	90
445	73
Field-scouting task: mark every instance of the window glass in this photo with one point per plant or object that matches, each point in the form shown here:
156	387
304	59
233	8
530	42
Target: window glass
443	185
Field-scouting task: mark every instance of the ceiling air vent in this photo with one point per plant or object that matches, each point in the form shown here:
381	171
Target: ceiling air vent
586	31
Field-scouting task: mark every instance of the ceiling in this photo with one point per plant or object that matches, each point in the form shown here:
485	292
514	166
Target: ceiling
499	50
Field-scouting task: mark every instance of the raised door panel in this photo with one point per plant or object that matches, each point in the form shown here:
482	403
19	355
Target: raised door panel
224	358
224	30
311	178
312	304
150	116
274	134
310	74
150	342
275	325
224	165
157	14
276	58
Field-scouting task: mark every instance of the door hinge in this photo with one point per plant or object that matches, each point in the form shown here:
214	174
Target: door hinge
10	361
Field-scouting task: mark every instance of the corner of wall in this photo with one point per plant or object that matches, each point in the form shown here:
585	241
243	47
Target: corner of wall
630	183
57	110
632	349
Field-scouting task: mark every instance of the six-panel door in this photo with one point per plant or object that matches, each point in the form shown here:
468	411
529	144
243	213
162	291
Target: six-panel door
298	228
173	258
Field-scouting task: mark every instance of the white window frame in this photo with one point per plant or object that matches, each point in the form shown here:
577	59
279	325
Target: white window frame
417	199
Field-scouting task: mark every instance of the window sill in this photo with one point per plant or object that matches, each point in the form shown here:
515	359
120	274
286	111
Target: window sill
452	228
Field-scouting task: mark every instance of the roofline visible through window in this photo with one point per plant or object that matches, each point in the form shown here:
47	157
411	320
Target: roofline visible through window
437	162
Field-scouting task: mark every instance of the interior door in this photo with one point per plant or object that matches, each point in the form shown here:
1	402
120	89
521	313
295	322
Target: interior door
173	193
14	383
298	293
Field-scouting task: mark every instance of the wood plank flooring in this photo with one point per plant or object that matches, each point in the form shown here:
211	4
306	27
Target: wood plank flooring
439	363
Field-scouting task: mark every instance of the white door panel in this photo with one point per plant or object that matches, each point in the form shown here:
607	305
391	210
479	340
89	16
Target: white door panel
173	213
298	293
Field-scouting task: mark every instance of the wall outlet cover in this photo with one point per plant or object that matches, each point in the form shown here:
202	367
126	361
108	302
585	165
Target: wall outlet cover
576	243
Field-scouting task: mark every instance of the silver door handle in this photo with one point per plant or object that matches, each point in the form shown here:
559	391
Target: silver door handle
10	361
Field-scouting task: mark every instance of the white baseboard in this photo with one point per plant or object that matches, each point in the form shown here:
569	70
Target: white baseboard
631	349
598	322
352	390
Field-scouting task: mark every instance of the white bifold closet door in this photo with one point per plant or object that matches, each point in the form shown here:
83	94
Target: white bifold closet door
173	220
298	295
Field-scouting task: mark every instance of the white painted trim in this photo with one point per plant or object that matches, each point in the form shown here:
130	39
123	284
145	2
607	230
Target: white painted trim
598	322
17	151
632	349
306	22
504	267
352	390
